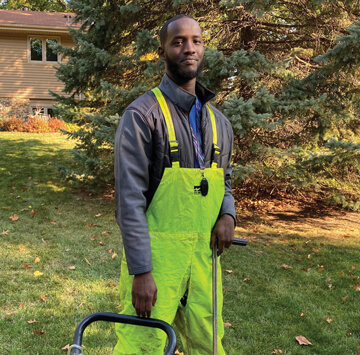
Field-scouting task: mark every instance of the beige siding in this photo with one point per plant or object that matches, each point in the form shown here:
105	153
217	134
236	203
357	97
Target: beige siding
21	78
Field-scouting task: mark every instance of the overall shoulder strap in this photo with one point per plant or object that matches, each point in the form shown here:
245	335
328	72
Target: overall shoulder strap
174	144
215	148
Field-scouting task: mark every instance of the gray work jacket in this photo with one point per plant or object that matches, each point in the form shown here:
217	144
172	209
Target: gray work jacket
142	154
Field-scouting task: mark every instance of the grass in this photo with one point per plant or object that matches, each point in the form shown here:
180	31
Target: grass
292	279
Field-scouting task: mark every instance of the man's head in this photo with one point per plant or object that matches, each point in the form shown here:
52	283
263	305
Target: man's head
182	48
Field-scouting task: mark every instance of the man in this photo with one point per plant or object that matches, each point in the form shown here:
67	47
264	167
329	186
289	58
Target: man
173	199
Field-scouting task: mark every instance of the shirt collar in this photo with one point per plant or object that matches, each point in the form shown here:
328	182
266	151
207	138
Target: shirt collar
181	97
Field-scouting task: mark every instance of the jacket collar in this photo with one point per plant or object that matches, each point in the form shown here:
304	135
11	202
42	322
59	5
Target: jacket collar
182	98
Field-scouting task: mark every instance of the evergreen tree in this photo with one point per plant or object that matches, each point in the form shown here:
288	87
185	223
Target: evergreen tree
35	5
285	81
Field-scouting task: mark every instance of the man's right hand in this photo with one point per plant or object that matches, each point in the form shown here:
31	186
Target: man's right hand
144	294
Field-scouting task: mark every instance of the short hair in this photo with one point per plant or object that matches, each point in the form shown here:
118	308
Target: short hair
163	31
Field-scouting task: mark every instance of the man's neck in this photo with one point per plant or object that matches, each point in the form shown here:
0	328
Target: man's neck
188	86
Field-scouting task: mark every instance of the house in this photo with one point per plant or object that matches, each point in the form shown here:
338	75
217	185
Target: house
27	60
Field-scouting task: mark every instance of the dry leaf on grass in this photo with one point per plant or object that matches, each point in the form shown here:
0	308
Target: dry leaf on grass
43	297
4	232
102	244
87	261
357	287
229	271
112	284
329	320
22	248
37	260
40	332
286	266
302	340
113	256
344	298
246	279
72	267
277	351
31	321
93	237
178	353
98	215
14	217
227	325
66	347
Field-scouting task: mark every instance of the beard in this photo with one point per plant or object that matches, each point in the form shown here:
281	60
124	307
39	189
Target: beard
180	75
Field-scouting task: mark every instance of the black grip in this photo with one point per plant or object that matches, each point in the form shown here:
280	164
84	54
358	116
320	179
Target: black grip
121	318
238	241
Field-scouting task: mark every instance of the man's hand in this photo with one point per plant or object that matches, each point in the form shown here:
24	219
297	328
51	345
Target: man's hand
144	294
223	232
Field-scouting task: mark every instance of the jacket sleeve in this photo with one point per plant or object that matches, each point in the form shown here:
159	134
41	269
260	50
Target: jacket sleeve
133	153
228	204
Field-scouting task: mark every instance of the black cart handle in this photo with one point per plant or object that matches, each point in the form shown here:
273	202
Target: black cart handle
241	242
76	349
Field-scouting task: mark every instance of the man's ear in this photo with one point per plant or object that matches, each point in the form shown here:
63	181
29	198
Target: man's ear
161	52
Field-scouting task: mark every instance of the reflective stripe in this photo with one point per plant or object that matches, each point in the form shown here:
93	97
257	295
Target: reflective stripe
171	131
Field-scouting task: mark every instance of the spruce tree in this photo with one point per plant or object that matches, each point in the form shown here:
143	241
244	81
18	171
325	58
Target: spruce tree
284	77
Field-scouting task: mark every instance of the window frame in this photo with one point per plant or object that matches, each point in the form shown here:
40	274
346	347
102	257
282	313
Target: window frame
43	53
44	107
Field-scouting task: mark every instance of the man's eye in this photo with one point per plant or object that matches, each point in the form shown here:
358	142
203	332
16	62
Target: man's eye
178	42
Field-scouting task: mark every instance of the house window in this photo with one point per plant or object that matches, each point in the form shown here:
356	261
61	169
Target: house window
42	111
41	49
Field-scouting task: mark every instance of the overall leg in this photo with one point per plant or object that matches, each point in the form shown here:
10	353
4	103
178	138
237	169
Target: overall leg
171	272
194	321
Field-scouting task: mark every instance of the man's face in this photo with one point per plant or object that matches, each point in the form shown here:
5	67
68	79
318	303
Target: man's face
183	50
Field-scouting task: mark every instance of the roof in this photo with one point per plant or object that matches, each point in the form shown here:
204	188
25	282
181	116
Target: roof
36	19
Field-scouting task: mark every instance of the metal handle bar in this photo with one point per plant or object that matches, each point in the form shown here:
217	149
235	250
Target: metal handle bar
75	349
238	241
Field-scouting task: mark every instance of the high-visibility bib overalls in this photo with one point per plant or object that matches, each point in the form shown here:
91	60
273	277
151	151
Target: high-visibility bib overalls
180	219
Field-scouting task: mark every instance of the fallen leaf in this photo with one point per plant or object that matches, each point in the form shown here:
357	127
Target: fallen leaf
102	244
227	324
40	332
33	212
37	260
354	267
31	321
21	305
43	240
98	215
329	320
277	351
43	297
38	273
87	261
286	266
14	217
110	251
302	314
113	256
67	250
22	248
112	284
328	280
53	222
178	353
246	279
10	313
5	232
357	287
349	334
331	286
27	266
90	225
302	340
119	306
105	232
59	213
316	250
320	267
66	347
344	298
72	267
229	271
93	237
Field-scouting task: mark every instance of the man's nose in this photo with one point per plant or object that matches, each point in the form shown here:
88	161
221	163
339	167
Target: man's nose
189	47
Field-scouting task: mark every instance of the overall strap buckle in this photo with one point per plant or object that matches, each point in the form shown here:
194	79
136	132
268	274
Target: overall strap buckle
215	155
174	153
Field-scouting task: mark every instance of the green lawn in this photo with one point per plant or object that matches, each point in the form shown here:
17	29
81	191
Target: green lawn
288	281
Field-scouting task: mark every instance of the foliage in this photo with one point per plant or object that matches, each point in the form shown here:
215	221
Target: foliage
34	124
285	72
35	5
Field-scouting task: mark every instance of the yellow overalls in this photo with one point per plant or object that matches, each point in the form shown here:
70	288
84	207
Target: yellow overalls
180	219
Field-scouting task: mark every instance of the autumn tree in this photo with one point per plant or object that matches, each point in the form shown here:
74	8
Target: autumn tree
285	72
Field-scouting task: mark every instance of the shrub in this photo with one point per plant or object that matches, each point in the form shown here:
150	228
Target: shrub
34	124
